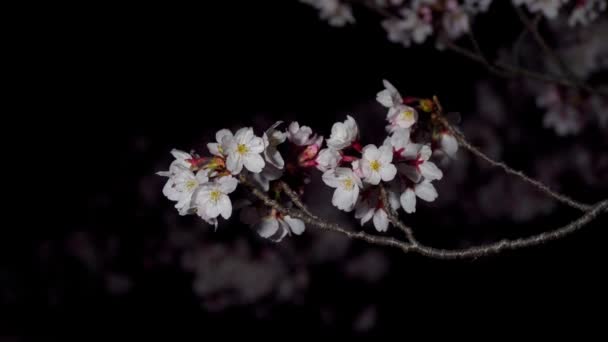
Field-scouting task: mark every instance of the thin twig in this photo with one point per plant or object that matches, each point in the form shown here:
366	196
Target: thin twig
504	245
394	217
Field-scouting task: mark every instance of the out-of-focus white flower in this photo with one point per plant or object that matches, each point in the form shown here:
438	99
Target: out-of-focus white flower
549	8
334	11
476	6
455	20
244	149
273	138
347	185
417	164
343	134
212	199
376	164
448	144
415	25
560	115
585	12
600	107
370	207
300	136
328	159
424	190
565	120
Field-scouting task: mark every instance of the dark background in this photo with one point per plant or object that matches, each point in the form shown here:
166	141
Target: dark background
118	87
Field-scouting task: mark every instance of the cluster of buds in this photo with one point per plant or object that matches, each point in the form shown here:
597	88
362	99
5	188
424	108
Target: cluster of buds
400	168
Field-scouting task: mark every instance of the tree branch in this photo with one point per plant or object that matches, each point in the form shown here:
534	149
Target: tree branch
431	252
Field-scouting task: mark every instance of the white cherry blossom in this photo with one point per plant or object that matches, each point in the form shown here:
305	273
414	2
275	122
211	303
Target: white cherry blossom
376	164
328	159
347	185
300	135
212	199
343	134
418	164
244	149
181	186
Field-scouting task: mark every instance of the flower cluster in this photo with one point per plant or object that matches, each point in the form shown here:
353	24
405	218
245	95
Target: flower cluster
335	12
415	21
568	111
401	166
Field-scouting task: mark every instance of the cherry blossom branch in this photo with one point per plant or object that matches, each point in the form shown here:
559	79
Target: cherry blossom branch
538	185
315	221
504	245
431	252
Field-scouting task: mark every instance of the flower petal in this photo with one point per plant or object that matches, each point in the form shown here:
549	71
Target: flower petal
426	191
254	162
296	226
268	227
234	163
388	172
430	171
408	200
380	220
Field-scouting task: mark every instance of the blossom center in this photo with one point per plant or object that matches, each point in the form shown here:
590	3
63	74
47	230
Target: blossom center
408	114
242	149
348	183
375	165
215	195
191	184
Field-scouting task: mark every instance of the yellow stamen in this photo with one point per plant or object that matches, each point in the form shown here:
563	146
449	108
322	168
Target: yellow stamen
242	149
215	195
375	165
348	183
191	184
408	114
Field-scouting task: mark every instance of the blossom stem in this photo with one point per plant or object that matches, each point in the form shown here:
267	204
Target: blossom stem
394	217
